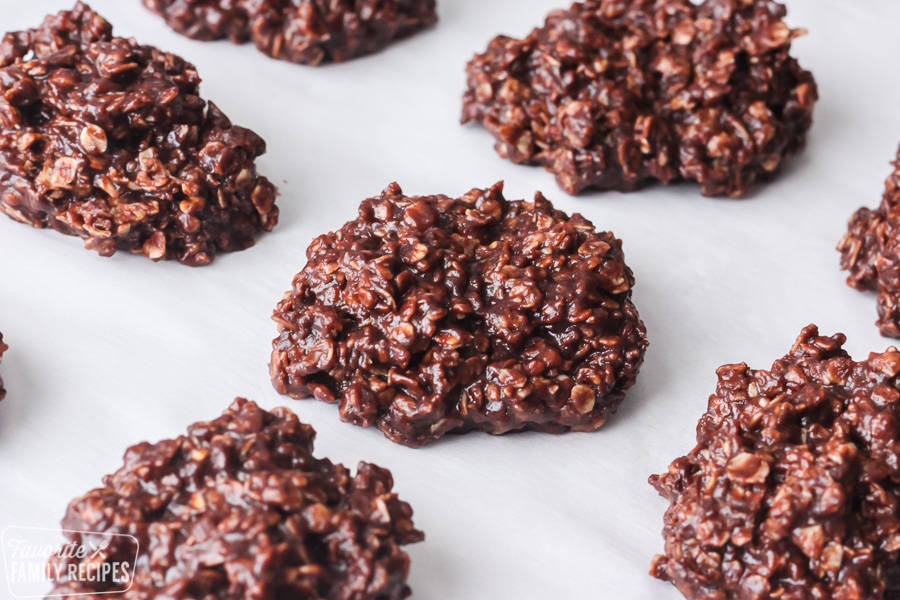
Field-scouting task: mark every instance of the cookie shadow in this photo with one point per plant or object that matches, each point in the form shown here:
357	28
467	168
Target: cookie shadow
431	575
21	405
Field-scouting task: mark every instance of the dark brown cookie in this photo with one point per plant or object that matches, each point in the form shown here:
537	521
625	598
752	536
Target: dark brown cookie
430	315
309	32
3	348
613	94
870	251
108	140
792	490
240	508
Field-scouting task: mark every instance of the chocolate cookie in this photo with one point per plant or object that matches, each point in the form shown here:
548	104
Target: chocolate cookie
870	251
3	348
106	139
240	508
613	94
430	315
309	32
792	490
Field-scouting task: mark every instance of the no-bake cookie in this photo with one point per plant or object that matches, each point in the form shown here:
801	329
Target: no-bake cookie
107	139
240	508
3	348
430	315
870	251
614	94
310	32
792	491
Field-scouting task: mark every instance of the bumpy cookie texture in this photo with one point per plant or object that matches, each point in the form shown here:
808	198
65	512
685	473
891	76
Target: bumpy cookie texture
240	508
792	490
870	251
613	94
309	32
106	139
3	348
430	315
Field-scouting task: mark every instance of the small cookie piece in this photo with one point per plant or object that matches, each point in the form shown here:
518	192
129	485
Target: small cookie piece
870	251
106	139
612	94
308	32
240	508
792	491
430	315
3	348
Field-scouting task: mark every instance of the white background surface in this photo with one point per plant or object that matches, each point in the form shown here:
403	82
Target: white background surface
109	352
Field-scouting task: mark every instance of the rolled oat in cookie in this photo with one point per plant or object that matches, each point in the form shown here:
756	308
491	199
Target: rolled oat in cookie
792	490
107	139
432	315
613	94
870	251
240	508
309	32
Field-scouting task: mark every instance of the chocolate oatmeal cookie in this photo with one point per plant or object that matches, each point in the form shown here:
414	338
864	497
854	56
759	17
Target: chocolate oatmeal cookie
870	251
106	139
430	315
612	94
240	508
3	348
309	32
792	491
